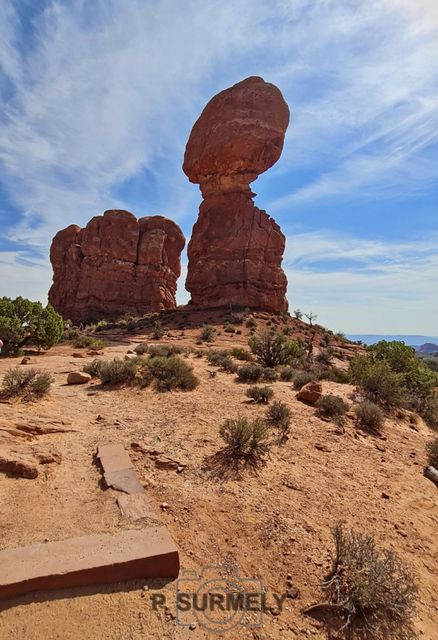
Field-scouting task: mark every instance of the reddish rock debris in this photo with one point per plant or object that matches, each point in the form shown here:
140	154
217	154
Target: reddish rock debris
236	249
310	393
115	265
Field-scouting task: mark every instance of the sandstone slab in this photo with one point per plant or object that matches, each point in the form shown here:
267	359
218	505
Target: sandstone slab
88	560
78	377
310	393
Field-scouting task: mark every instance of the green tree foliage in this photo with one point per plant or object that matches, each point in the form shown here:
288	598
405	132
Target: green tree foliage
24	323
272	349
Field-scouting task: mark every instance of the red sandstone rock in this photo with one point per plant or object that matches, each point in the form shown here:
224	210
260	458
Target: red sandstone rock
310	393
115	265
236	249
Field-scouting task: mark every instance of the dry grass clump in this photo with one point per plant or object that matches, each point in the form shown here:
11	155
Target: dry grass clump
223	360
260	395
249	373
29	384
330	406
279	415
369	417
172	373
301	378
245	438
89	342
371	589
208	334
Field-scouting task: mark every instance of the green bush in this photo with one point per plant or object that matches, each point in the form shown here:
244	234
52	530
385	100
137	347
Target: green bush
89	342
162	350
71	333
286	373
269	375
244	438
325	356
279	415
249	373
115	371
24	323
172	373
301	378
377	381
432	453
331	406
26	383
430	411
322	372
241	354
272	349
261	395
372	590
157	330
369	416
207	334
223	360
93	368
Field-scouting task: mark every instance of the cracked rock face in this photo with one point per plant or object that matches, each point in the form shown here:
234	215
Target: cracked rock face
117	264
236	249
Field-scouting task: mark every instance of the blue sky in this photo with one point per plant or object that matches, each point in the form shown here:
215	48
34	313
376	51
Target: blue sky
99	98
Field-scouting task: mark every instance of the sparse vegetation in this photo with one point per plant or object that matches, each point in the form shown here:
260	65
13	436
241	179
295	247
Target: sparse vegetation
245	438
114	371
371	589
325	356
207	334
24	323
272	349
172	373
29	384
162	350
286	373
260	395
89	342
369	417
249	373
269	375
228	328
301	378
241	354
158	330
332	407
223	360
432	452
279	415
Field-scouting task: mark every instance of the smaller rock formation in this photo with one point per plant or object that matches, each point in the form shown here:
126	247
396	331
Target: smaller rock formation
310	393
115	265
236	249
78	377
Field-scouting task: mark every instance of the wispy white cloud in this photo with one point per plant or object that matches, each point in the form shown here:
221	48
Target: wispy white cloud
361	285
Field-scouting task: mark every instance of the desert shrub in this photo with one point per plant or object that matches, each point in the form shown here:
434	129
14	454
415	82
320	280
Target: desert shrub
432	453
261	395
116	371
377	381
301	378
172	373
241	354
251	323
279	415
272	349
249	373
431	363
245	438
269	375
430	411
323	372
331	406
325	356
162	350
369	416
89	342
207	334
93	367
286	373
26	383
372	589
228	328
71	333
24	323
223	360
158	330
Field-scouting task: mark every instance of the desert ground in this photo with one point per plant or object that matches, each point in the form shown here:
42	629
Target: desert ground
273	523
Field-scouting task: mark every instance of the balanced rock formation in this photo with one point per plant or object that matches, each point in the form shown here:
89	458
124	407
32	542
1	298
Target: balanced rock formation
236	249
115	265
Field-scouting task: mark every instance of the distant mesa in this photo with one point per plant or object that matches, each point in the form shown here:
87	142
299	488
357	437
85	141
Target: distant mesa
117	264
236	249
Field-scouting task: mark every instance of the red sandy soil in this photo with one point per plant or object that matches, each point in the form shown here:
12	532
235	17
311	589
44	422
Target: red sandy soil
267	524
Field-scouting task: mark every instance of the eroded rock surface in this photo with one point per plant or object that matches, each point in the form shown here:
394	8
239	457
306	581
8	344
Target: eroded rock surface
236	249
117	264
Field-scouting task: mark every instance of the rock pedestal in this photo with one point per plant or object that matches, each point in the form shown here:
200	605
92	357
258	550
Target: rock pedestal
236	249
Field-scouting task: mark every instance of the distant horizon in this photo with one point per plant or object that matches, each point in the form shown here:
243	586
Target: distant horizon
100	99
